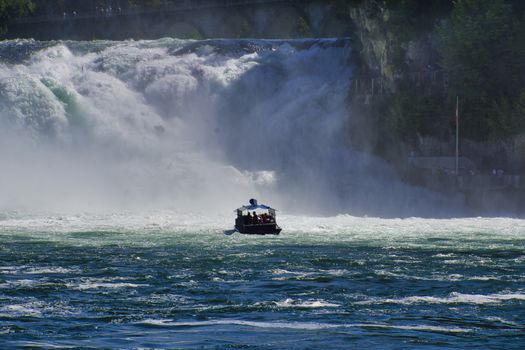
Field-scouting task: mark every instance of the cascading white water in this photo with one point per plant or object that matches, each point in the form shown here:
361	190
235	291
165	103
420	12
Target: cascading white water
185	125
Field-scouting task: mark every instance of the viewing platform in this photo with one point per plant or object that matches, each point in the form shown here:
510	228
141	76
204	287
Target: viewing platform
439	172
492	190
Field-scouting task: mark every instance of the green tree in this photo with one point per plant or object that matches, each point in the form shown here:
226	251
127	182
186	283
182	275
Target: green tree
481	54
10	9
416	110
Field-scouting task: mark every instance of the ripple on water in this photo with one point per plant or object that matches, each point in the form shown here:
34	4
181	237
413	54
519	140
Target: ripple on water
307	304
332	286
88	283
37	270
453	298
306	326
33	308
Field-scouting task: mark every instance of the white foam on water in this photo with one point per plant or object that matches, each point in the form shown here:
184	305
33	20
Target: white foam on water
308	304
283	275
6	330
103	283
23	283
9	270
44	345
294	275
448	277
336	272
48	270
440	255
21	310
31	307
158	227
504	321
308	326
453	298
426	328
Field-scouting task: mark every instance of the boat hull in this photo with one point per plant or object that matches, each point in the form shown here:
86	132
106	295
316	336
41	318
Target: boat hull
261	229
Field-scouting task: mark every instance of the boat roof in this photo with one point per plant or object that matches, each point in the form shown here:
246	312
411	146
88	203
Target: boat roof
254	205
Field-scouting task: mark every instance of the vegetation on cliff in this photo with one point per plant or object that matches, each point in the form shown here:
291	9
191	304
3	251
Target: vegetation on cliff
483	53
426	54
10	9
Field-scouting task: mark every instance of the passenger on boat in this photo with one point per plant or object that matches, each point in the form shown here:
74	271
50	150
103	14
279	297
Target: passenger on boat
248	219
255	218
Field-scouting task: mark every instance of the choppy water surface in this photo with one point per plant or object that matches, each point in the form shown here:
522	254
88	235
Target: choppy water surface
177	281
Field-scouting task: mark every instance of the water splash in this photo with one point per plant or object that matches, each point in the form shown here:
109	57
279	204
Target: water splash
186	125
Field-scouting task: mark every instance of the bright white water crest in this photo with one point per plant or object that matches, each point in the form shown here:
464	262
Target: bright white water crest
187	126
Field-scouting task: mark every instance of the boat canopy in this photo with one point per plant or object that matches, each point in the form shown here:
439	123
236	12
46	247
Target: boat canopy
254	205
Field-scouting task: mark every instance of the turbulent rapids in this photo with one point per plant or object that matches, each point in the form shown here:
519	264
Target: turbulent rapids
176	281
173	124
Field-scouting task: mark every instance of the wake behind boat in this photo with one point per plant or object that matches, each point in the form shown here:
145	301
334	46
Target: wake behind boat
256	219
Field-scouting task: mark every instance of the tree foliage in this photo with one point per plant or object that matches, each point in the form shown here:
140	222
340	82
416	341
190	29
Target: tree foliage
482	53
415	111
10	9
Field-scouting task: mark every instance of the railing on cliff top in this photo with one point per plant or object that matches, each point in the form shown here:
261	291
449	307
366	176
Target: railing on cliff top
113	10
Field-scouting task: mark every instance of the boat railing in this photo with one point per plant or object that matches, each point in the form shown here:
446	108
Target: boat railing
263	224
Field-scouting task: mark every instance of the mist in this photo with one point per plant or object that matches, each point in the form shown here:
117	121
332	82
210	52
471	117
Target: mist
188	126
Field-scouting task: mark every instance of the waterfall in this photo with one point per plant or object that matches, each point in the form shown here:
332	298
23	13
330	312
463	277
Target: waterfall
185	125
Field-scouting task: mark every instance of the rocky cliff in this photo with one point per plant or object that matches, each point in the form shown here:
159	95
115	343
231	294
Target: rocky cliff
286	19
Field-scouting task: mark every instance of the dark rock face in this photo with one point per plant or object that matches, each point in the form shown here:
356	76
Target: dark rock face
211	19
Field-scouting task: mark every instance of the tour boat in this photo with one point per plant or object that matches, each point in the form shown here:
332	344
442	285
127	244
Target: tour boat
262	223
